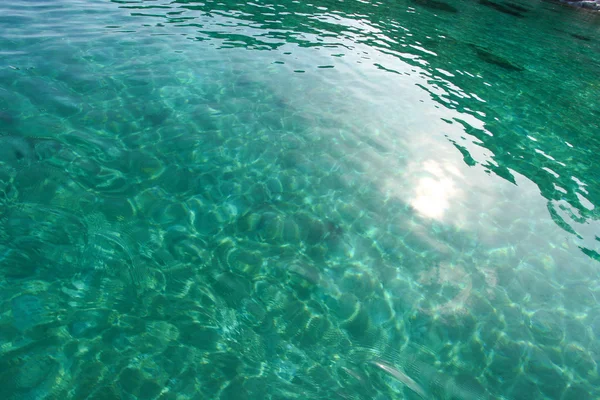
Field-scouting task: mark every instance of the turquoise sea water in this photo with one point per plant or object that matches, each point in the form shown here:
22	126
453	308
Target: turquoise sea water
299	200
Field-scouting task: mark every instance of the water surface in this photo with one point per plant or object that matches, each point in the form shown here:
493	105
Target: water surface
326	200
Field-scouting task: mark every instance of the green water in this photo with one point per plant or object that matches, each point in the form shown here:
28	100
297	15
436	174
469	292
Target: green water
292	200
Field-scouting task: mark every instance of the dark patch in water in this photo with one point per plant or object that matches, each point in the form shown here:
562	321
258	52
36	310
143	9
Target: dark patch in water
581	37
491	58
436	5
334	229
27	311
6	118
502	8
13	149
575	35
516	7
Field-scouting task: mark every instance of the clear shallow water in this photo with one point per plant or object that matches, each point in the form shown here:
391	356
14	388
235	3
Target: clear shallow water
335	200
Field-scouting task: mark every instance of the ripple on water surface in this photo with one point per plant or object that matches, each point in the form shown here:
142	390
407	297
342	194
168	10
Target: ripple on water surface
334	200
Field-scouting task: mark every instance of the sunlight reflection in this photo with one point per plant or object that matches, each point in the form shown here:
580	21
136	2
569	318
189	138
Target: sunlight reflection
433	193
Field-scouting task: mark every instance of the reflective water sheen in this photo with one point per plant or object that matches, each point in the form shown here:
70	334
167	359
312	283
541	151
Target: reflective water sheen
293	200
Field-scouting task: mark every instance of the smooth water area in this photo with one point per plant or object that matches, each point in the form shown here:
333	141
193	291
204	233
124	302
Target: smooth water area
299	200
